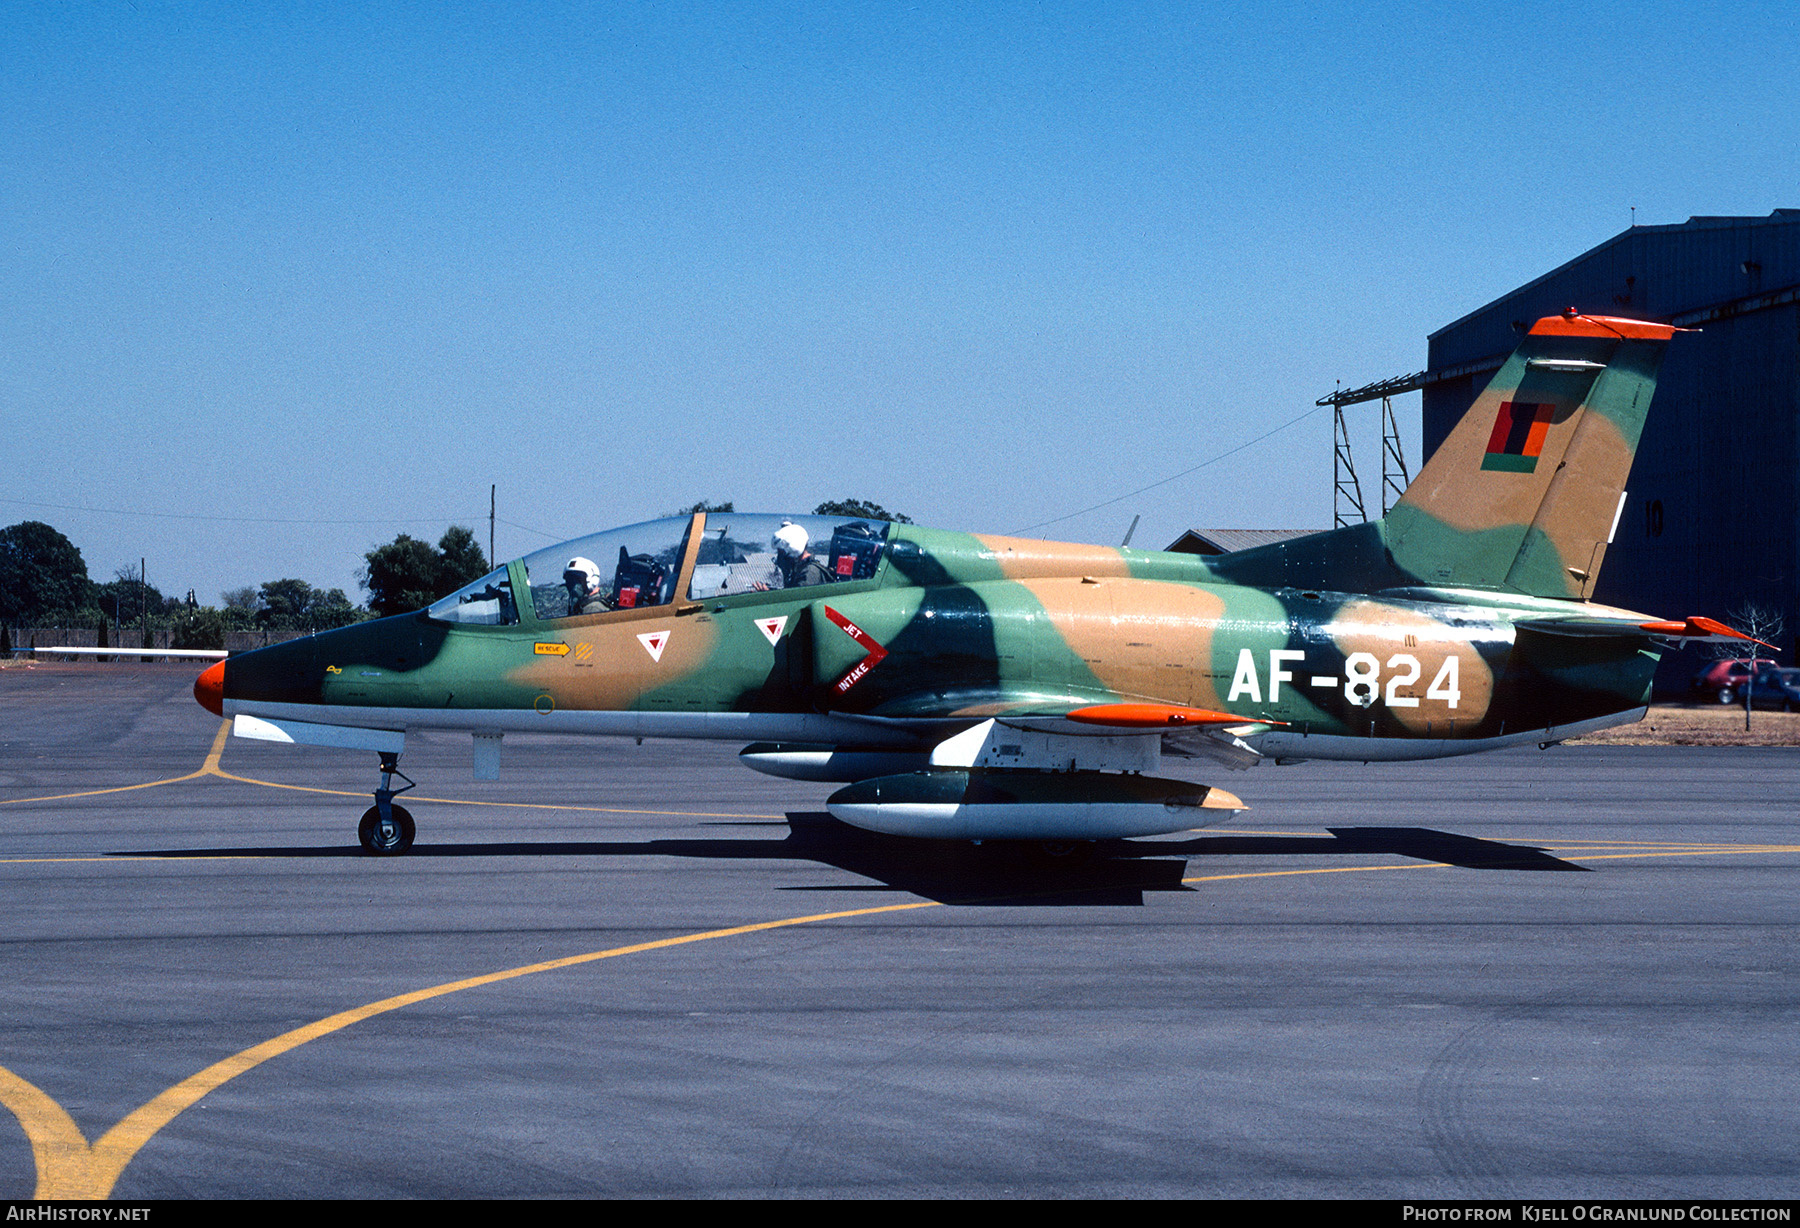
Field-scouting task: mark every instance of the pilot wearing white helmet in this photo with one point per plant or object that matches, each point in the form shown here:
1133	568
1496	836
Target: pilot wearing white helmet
799	569
582	578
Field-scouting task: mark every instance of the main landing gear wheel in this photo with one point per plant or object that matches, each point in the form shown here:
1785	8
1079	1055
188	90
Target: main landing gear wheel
381	839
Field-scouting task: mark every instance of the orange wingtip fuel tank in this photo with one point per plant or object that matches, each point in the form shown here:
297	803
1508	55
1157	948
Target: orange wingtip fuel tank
209	689
1160	716
1572	324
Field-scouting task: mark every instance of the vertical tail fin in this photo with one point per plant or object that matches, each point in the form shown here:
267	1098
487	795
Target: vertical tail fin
1527	490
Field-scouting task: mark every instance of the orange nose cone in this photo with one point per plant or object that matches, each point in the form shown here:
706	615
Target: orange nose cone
209	689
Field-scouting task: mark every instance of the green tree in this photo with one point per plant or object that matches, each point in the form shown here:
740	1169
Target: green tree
198	628
407	574
460	560
124	598
861	509
284	605
704	505
331	608
42	576
400	576
241	605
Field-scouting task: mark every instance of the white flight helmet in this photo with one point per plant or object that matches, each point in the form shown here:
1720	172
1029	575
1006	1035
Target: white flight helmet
584	572
790	540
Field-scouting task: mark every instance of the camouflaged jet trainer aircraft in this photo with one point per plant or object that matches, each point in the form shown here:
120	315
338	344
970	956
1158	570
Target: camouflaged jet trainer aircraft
992	688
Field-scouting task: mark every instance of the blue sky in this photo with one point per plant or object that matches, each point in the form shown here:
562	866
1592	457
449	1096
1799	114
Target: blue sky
298	278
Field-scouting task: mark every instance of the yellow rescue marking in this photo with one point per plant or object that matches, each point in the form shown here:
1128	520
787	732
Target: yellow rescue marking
550	650
69	1168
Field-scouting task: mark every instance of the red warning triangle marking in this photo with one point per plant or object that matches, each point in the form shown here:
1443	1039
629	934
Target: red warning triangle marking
653	642
876	652
771	627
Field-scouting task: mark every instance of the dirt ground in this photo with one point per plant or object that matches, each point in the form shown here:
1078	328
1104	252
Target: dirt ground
1701	725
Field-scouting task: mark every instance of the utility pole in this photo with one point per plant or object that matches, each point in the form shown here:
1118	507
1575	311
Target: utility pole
491	488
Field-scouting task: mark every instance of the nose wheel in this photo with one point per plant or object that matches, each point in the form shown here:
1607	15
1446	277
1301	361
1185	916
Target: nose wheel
387	830
385	837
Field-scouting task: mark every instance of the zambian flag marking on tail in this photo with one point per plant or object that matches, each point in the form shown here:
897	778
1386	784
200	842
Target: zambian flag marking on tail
1518	436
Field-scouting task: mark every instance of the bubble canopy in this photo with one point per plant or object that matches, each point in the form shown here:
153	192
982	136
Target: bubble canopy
640	565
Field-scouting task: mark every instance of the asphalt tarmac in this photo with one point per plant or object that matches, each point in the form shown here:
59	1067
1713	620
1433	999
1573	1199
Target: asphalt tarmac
1562	973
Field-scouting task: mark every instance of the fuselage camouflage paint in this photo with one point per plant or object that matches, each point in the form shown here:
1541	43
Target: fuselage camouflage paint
1446	625
964	642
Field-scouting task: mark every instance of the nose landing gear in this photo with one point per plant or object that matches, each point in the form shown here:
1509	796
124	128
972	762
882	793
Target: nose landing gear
387	830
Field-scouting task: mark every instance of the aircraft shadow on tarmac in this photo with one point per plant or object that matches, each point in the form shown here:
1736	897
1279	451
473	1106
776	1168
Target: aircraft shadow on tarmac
1111	872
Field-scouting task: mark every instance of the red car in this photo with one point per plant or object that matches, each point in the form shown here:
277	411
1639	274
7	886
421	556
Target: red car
1723	680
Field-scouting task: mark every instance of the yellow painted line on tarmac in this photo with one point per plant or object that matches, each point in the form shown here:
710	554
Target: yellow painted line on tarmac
58	1147
463	801
1715	852
1238	831
70	1168
1415	865
1644	844
1443	865
1536	841
33	861
209	768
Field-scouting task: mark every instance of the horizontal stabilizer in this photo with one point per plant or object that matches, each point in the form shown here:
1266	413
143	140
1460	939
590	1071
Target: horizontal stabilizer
1699	629
1696	629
